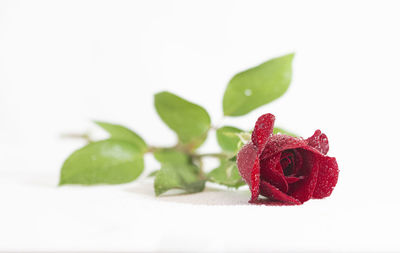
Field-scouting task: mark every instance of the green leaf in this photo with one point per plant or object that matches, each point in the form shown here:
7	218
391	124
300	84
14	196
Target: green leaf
283	131
153	173
177	177
177	172
190	122
228	138
171	156
104	162
257	86
118	132
226	174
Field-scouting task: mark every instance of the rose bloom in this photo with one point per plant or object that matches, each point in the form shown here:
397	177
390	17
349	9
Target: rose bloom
285	169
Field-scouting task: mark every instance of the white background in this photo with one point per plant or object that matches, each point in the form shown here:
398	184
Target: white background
65	63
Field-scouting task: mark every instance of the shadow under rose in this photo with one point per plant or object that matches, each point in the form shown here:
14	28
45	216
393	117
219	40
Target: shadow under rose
210	196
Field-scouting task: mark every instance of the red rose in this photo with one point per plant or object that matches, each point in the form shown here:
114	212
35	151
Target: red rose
285	169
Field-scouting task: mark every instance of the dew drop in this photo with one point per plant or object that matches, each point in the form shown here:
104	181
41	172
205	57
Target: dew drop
248	92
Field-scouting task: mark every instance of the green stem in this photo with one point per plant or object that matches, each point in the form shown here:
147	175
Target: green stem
199	162
152	149
178	147
216	155
84	136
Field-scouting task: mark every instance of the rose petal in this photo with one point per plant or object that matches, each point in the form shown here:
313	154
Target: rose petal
298	161
271	171
319	141
304	189
255	180
327	177
287	160
263	130
274	194
291	180
245	161
280	142
249	168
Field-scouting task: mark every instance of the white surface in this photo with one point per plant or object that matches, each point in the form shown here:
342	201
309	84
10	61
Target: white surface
63	63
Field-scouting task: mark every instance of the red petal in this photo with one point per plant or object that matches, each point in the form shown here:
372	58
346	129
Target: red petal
303	190
255	180
263	130
274	194
245	161
319	141
271	171
291	180
298	161
327	177
280	142
249	168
